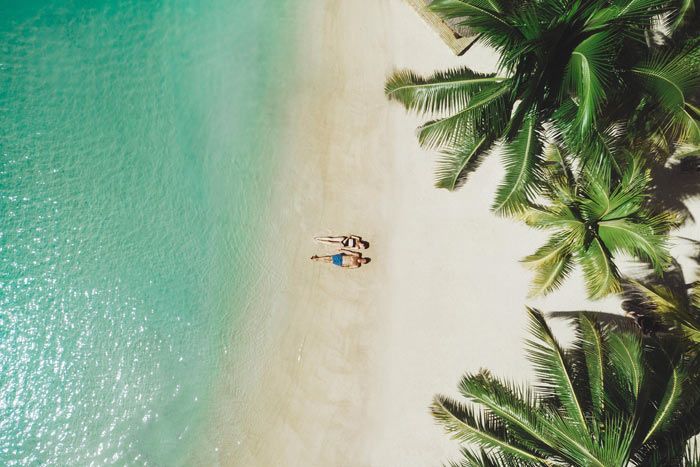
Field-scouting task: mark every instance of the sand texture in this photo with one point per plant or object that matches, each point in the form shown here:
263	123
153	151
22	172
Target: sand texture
354	357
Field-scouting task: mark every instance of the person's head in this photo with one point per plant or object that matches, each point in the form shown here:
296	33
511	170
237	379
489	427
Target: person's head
364	244
364	260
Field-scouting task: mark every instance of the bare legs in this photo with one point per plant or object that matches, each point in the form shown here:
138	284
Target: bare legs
329	240
323	259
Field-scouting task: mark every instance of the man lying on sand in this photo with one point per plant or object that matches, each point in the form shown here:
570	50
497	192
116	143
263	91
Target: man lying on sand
344	259
348	241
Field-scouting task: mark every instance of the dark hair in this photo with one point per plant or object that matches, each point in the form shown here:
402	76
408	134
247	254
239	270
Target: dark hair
365	243
367	260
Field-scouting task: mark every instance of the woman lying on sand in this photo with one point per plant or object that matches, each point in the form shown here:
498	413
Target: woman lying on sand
348	241
344	259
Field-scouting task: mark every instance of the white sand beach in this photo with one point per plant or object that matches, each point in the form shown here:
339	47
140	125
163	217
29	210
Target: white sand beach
352	358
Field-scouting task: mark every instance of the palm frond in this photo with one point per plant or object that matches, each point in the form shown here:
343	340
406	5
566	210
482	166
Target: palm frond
495	28
522	158
672	77
515	406
597	202
600	273
682	125
636	15
694	293
486	113
625	368
550	217
638	239
553	370
465	425
670	401
552	264
657	297
600	149
627	198
458	162
666	298
614	436
574	447
686	150
664	453
482	458
588	74
442	92
590	334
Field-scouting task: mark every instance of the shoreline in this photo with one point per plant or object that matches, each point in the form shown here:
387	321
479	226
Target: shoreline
350	359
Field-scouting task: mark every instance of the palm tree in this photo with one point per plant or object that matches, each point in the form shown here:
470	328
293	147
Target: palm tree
667	299
592	219
577	66
614	398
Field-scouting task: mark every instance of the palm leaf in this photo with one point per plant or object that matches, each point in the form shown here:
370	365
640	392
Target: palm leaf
591	337
485	114
635	14
457	163
522	158
625	368
638	239
495	28
671	77
694	294
599	271
443	92
516	407
588	74
601	318
482	458
552	264
550	217
485	459
553	370
626	199
657	297
600	149
597	202
683	126
466	426
670	401
573	446
614	436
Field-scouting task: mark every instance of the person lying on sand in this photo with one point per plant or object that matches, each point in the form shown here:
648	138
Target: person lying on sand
348	241
344	259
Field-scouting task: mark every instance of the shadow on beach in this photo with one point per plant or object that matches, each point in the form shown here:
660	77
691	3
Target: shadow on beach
675	185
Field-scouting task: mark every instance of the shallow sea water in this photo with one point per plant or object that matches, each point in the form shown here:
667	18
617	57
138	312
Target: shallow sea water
134	142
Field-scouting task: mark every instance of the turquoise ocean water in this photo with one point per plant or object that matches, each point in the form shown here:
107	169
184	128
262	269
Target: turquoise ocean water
134	166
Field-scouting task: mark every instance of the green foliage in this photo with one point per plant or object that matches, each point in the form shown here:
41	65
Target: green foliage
589	73
579	68
612	398
666	301
522	159
593	219
670	78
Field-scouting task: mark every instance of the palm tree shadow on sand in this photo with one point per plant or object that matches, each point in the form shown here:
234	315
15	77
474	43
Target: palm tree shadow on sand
675	184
